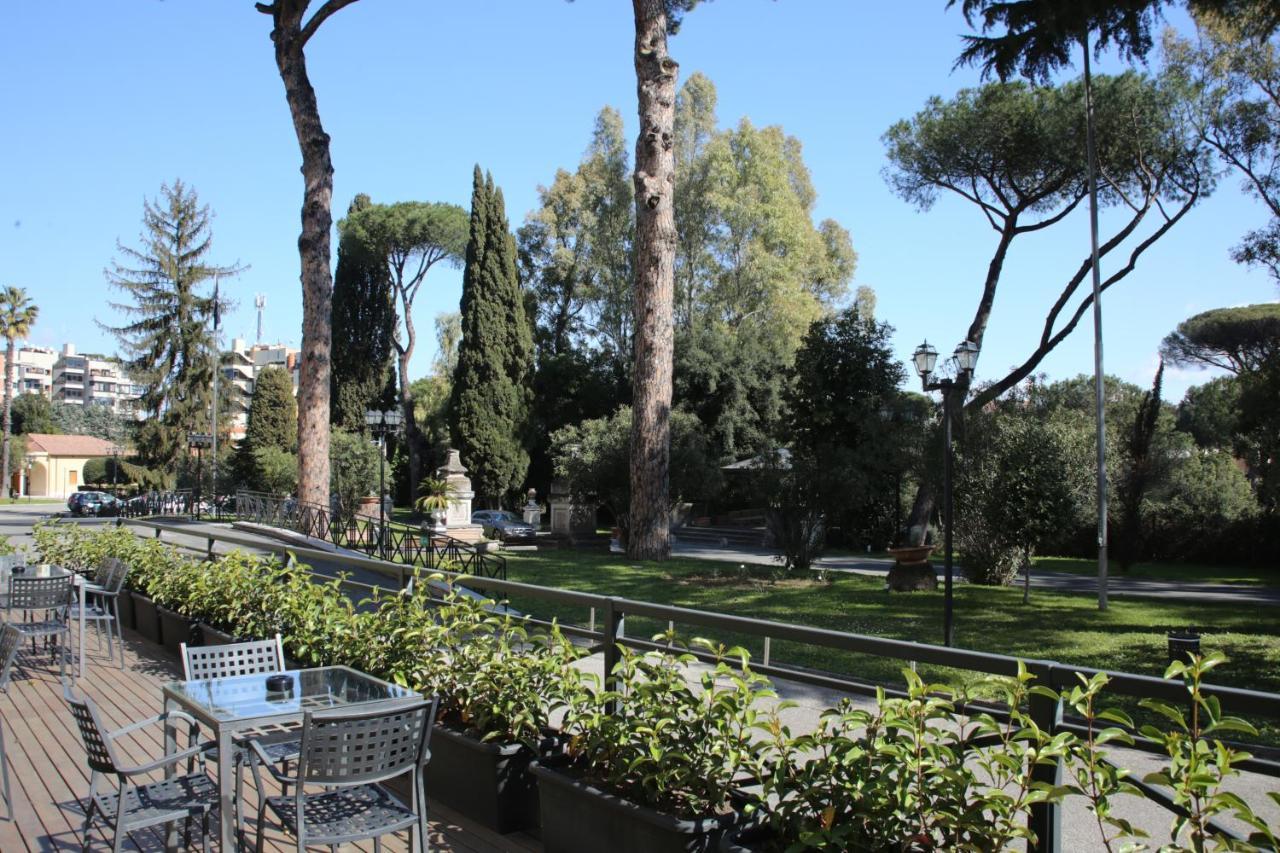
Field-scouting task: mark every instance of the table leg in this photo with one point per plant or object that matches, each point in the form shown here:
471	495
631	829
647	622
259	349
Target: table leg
170	747
81	620
226	790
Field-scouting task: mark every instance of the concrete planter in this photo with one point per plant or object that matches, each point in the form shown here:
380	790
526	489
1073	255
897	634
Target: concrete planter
580	818
488	782
175	629
146	618
124	601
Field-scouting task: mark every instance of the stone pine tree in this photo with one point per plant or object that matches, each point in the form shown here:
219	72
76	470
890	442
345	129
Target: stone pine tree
489	408
291	29
17	315
364	320
272	423
166	335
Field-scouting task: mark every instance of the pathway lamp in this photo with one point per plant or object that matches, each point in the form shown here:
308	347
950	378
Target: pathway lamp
115	471
954	385
199	441
381	424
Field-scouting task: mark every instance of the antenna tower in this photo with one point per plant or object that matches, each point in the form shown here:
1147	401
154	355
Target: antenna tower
260	302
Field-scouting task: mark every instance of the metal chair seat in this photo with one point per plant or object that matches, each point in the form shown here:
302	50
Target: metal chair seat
345	814
175	799
41	628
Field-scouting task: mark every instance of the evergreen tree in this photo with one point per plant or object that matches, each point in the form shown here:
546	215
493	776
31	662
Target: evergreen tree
273	423
364	318
490	399
166	335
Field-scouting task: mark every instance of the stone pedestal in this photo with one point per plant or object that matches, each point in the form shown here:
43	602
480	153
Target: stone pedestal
568	519
457	518
532	510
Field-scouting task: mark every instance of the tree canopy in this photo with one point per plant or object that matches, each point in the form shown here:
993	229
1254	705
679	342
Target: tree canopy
1240	340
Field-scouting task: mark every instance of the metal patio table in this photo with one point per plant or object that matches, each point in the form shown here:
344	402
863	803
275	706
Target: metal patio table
242	702
49	570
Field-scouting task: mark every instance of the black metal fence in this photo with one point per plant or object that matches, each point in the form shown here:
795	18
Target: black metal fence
395	543
176	502
605	631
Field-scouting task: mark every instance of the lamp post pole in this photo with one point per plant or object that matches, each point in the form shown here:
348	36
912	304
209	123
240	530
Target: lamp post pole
199	441
965	360
115	471
381	423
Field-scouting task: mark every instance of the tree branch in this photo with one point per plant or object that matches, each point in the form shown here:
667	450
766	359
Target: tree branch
321	15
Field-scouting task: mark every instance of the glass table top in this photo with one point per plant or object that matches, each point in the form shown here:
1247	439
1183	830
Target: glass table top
244	697
32	570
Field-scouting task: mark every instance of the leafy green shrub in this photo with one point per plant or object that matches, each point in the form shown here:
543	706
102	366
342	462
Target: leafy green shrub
672	746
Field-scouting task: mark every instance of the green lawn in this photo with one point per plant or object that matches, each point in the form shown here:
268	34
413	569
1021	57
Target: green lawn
1244	576
1129	636
32	500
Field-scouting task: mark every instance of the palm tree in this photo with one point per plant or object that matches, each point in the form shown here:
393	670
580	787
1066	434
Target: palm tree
17	316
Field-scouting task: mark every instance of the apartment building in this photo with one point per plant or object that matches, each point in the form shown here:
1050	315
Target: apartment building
93	380
240	367
33	371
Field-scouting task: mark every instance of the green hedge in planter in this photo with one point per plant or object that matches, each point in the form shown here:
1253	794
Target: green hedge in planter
906	771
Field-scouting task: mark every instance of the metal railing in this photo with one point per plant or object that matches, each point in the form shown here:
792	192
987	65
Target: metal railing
606	634
175	502
395	543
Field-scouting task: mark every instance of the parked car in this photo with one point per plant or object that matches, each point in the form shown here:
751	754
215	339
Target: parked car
92	503
503	525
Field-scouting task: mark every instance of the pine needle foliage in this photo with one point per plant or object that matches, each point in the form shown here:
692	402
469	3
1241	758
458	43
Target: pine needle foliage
166	336
491	392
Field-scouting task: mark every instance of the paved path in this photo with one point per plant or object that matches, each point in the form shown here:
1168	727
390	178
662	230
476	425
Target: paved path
1058	581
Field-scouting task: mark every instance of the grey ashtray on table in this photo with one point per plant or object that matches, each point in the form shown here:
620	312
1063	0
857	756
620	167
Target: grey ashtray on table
280	684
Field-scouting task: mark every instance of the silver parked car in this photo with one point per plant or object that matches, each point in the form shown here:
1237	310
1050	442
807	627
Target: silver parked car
504	526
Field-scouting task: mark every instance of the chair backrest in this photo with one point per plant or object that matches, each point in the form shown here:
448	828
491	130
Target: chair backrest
109	573
8	561
98	750
10	643
39	593
340	747
251	658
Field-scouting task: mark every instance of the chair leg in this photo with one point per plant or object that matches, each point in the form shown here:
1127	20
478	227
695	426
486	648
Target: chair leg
88	819
204	833
4	776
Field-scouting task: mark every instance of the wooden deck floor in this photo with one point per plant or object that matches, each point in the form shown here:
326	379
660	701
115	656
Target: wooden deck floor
47	766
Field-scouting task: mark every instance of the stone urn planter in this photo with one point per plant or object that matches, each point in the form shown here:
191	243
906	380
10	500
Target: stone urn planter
911	570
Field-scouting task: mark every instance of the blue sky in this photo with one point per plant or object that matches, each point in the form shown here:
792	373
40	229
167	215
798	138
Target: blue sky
104	101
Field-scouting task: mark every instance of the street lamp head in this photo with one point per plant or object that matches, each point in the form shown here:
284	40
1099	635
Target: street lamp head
926	359
372	418
393	417
966	356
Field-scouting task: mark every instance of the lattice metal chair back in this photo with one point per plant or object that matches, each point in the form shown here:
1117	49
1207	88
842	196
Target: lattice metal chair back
103	603
251	658
348	754
108	574
39	593
138	806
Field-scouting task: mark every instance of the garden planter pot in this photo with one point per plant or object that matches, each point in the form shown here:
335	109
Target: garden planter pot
146	619
211	636
488	782
750	839
124	601
580	818
175	629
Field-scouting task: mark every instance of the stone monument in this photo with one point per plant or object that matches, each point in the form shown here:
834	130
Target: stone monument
532	510
458	517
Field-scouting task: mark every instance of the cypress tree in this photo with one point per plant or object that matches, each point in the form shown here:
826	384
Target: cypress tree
273	422
364	318
489	408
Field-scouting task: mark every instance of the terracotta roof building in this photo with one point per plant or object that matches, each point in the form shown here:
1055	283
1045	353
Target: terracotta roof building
55	464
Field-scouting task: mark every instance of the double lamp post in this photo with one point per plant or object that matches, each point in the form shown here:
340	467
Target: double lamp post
954	385
381	424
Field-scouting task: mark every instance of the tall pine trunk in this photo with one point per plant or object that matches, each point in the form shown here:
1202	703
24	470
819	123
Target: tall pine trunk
290	37
8	408
655	249
412	442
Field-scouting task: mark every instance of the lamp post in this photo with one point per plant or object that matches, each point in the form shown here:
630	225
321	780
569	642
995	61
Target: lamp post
199	441
380	424
964	360
115	470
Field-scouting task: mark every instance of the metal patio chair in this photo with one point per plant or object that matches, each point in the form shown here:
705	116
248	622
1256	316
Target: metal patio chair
134	806
102	604
38	607
349	755
252	658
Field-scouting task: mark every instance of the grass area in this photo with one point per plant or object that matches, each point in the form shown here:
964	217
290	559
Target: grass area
1196	572
1067	628
32	500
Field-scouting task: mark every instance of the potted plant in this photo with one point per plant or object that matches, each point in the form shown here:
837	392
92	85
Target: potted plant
656	767
435	494
499	686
